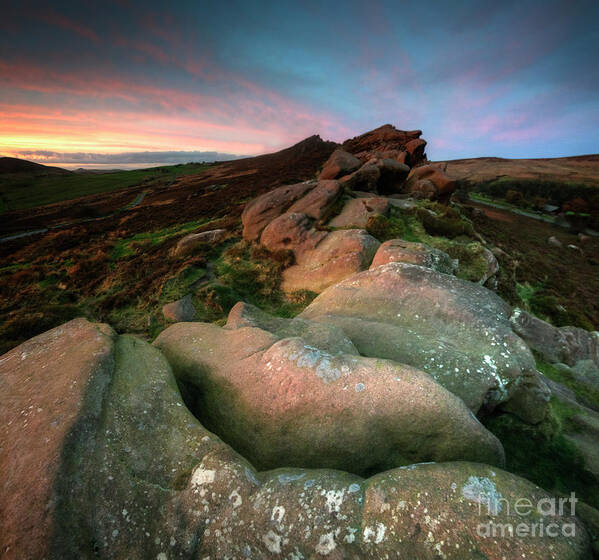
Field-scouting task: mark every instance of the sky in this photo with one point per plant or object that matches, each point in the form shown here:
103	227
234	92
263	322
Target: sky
124	83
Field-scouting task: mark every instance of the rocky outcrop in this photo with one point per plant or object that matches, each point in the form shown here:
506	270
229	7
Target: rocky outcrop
339	164
398	250
383	139
283	402
188	243
456	331
567	345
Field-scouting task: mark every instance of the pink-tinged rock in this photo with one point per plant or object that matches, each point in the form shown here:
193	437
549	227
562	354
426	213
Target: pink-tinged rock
43	387
442	183
320	202
338	255
398	250
264	209
356	212
415	149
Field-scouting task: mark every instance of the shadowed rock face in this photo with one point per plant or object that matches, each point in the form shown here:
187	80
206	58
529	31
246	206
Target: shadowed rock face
340	163
456	331
566	344
130	473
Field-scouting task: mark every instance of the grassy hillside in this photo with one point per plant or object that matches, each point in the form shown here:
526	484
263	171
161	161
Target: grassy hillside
24	190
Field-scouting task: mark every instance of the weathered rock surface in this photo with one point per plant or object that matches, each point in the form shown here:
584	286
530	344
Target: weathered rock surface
44	385
382	139
492	266
421	178
415	149
326	337
456	331
398	250
180	310
339	164
582	428
264	209
364	179
568	345
188	243
121	469
392	175
338	255
292	231
356	212
320	201
378	175
283	402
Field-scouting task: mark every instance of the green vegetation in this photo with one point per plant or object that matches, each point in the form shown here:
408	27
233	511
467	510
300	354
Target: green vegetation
555	464
579	201
553	192
21	190
126	247
251	273
543	455
584	393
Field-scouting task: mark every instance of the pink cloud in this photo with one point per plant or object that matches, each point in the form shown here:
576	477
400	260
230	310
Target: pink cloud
61	21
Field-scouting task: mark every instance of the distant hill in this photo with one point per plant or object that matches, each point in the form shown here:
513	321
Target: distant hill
574	169
16	165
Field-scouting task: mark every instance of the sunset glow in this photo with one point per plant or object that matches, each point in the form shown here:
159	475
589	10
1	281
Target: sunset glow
77	79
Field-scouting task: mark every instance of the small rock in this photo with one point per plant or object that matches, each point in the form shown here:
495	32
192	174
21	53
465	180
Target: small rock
555	242
181	310
191	241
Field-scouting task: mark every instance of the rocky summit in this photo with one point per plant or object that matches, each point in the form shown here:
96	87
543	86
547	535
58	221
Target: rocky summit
380	402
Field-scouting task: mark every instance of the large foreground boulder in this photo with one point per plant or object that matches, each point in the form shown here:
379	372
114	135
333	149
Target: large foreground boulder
102	459
51	390
456	331
283	402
